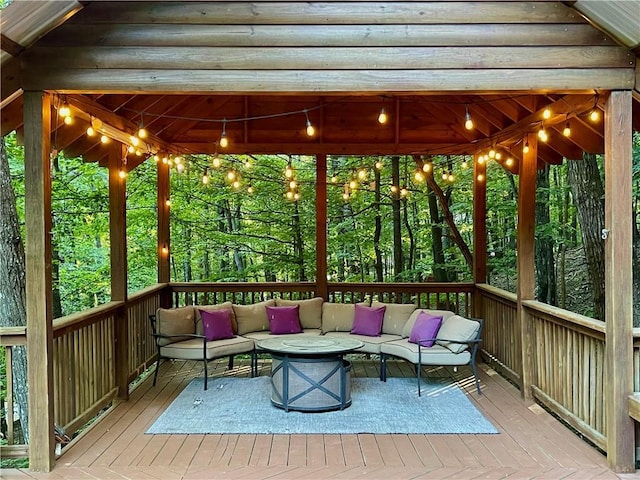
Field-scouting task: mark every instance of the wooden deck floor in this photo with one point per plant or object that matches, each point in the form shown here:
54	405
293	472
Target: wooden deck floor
531	443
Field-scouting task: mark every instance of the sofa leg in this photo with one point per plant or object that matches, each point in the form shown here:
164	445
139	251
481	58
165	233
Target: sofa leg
419	369
206	374
230	362
155	375
383	367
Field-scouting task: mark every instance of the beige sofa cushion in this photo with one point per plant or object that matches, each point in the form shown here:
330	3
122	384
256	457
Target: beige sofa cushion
210	308
436	355
175	321
310	311
395	316
259	336
456	327
406	331
371	344
252	318
337	317
192	349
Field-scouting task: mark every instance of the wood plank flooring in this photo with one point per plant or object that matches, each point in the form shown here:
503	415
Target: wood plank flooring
531	443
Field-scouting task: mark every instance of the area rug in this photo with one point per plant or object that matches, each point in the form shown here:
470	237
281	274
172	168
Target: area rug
243	405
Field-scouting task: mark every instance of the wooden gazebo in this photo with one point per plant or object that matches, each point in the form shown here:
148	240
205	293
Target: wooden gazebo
259	72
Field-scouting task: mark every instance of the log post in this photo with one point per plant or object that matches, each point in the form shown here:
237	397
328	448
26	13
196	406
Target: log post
617	236
164	236
37	179
321	227
118	247
526	258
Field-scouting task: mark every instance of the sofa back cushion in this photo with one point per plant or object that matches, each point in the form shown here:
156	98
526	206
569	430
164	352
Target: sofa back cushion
175	321
310	310
337	317
457	328
210	308
395	316
252	318
406	331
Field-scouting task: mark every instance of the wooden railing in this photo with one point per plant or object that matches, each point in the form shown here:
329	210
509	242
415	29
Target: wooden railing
240	293
11	338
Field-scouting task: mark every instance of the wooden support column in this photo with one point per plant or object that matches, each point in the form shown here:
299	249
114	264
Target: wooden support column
37	179
118	246
479	229
618	282
526	258
164	237
321	227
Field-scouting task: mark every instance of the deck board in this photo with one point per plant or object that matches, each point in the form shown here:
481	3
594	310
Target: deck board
531	443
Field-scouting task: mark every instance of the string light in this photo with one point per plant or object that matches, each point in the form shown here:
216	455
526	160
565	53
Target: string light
104	139
394	189
231	175
205	177
224	141
418	176
480	177
379	165
311	131
288	172
362	174
250	188
289	195
165	249
509	162
122	173
142	132
464	164
542	133
167	202
498	156
334	178
492	153
180	167
546	114
445	175
296	196
525	149
293	184
450	177
567	129
91	131
353	185
382	117
236	184
594	116
481	160
68	120
427	167
404	192
64	110
216	162
468	123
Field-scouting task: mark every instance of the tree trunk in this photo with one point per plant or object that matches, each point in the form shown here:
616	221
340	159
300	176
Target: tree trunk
378	230
544	261
588	194
13	306
563	219
412	243
439	271
398	260
298	244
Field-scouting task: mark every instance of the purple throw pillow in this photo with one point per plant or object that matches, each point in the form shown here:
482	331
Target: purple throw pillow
425	328
368	320
216	324
284	320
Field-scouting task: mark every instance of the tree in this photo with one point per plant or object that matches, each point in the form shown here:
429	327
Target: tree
13	284
545	235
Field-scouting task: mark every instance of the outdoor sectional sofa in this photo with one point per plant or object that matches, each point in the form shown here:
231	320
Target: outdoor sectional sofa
179	332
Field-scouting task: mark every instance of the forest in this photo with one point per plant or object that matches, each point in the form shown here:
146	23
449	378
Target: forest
252	219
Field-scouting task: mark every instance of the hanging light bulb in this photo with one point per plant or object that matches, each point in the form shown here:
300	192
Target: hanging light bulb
135	141
546	114
247	164
205	177
542	133
498	156
594	116
165	160
525	149
293	184
236	184
90	131
231	175
345	196
334	178
427	167
445	175
165	249
394	189
481	160
567	129
142	132
224	142
418	176
289	195
216	162
311	131
131	149
156	158
167	202
382	117
288	172
480	177
468	123
404	192
68	120
362	174
450	177
379	165
296	196
509	162
122	173
250	188
64	110
180	167
96	123
104	139
353	185
464	164
492	153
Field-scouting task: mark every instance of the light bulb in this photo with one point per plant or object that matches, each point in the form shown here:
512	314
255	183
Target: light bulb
353	185
594	116
91	131
427	167
379	165
223	140
445	175
480	177
498	155
296	196
345	196
468	123
382	118
546	114
142	133
362	174
481	160
541	133
236	184
404	192
247	165
205	177
131	149
135	141
68	120
165	250
96	123
122	173
178	160
156	158
509	162
464	164
288	172
394	189
231	175
292	184
450	177
567	130
165	160
289	194
216	162
334	179
525	149
167	202
64	110
311	131
419	176
492	153
104	139
250	188
180	167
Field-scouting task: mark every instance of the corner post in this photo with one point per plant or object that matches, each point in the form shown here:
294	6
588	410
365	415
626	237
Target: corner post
526	259
321	226
164	235
479	230
37	179
118	254
618	282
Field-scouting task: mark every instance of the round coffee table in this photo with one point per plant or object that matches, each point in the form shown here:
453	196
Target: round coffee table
309	374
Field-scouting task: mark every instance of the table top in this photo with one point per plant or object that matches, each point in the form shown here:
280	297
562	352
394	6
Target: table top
308	345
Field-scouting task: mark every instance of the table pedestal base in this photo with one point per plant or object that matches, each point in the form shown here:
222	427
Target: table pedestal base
310	384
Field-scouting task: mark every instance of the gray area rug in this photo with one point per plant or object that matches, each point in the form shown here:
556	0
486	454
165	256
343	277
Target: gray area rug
243	405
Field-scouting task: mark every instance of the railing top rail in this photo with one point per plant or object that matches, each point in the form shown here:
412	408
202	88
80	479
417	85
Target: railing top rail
10	336
242	286
76	320
561	314
497	292
411	287
141	295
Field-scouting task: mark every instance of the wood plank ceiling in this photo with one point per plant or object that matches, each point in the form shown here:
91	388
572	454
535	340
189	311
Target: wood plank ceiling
259	70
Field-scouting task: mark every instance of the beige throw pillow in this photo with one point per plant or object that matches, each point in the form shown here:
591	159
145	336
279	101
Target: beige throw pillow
457	328
396	316
337	317
175	321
